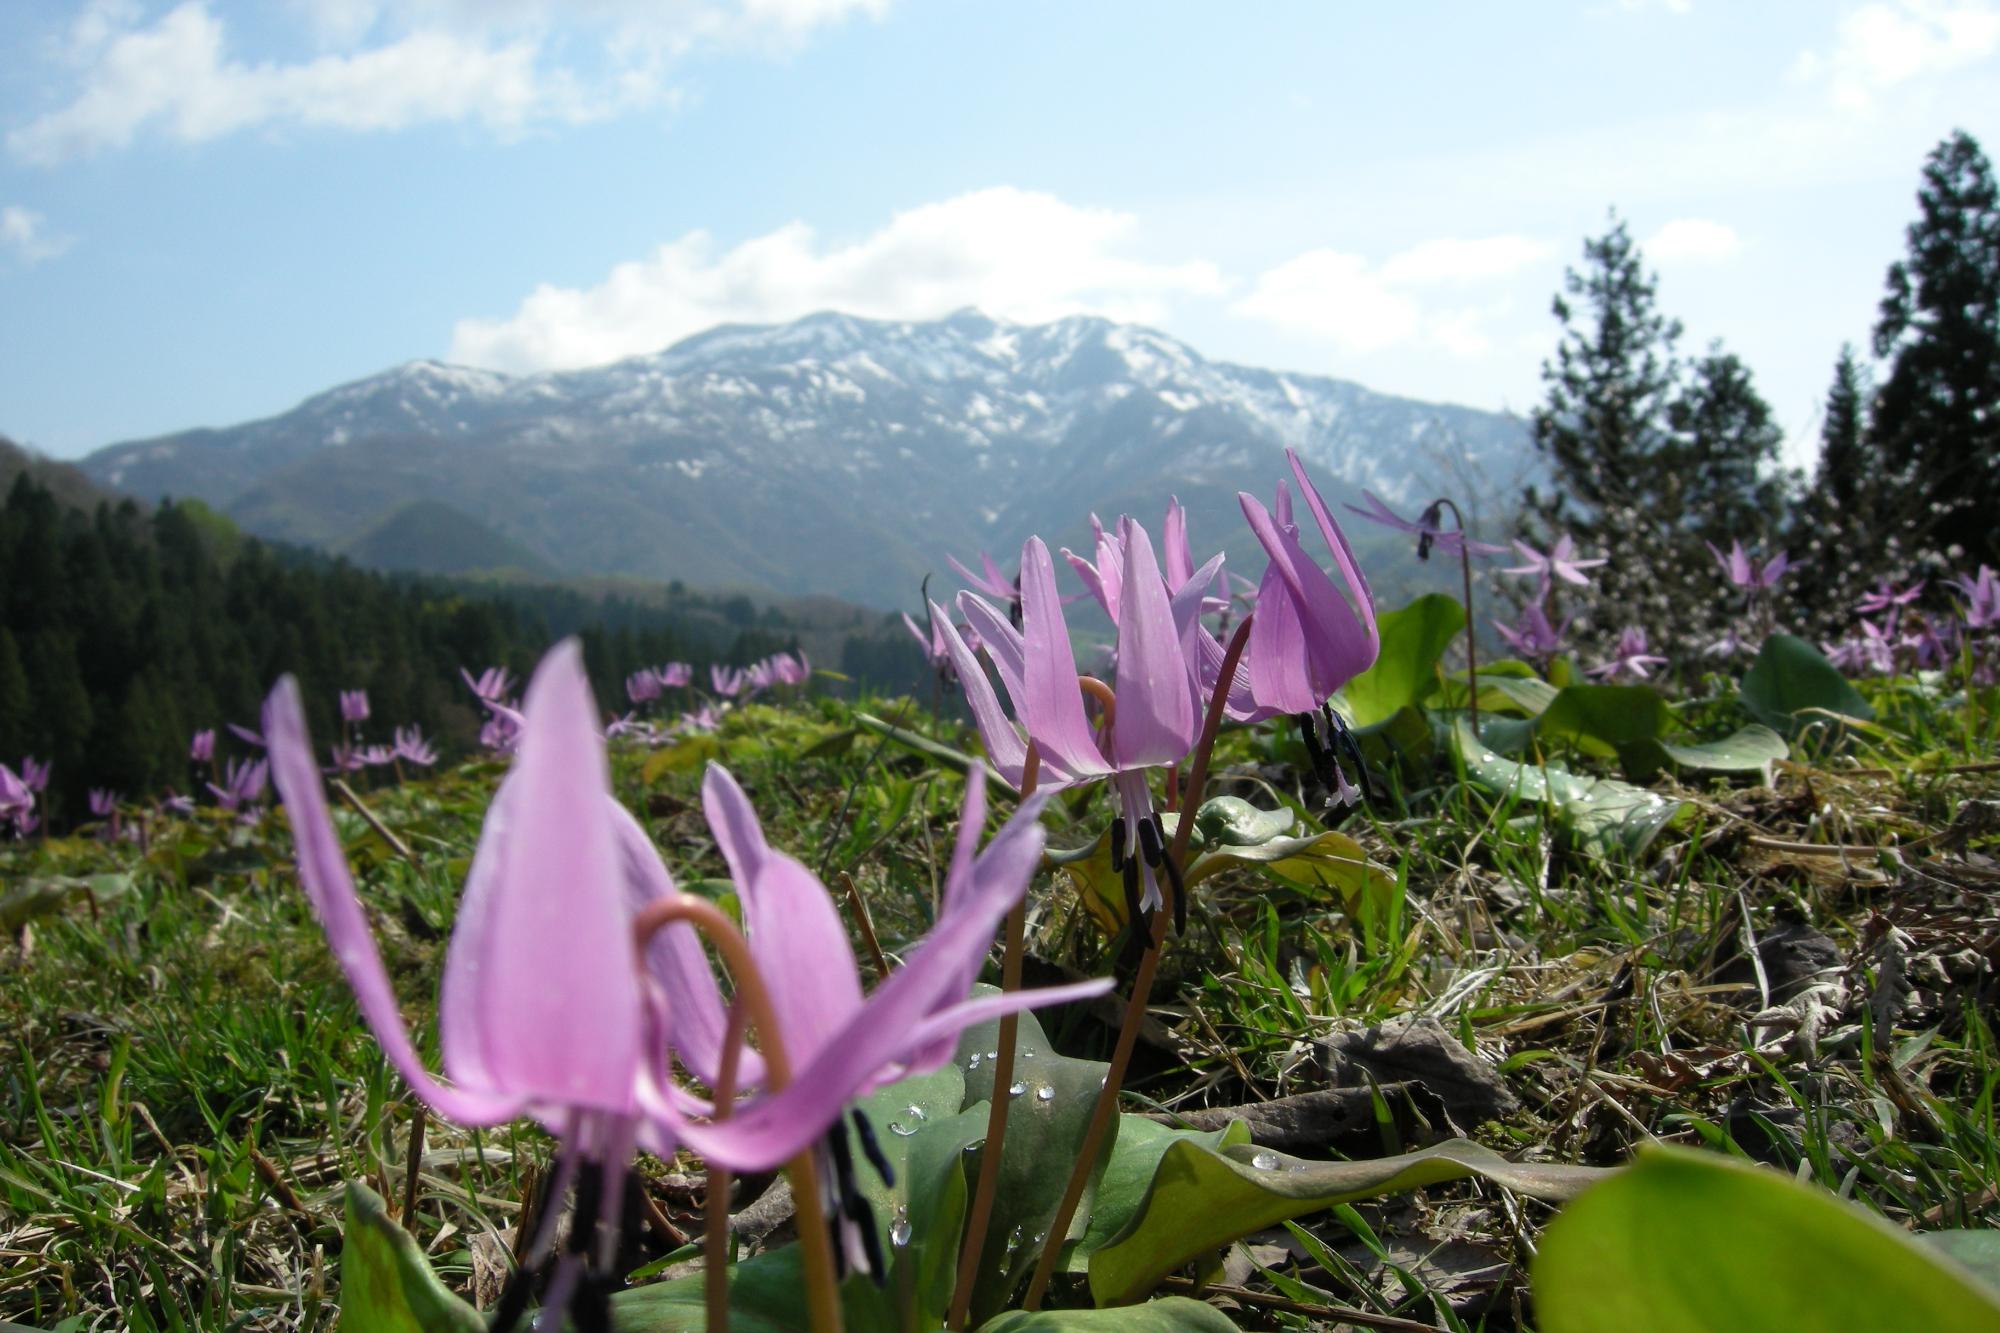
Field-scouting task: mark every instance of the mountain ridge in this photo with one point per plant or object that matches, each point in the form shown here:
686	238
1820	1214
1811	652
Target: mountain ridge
833	454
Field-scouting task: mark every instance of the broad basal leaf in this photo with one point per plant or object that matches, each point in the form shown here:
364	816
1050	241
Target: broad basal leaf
1202	1199
1405	672
1175	1314
1688	1242
1605	816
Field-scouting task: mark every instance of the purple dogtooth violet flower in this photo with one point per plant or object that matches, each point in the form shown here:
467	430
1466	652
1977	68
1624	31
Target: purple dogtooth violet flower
36	772
16	797
103	802
1533	635
201	746
1308	637
354	706
1629	657
1157	715
531	1019
791	670
246	735
1886	596
644	686
841	1044
492	685
413	748
1982	598
1742	571
727	681
242	784
1428	532
675	675
1559	562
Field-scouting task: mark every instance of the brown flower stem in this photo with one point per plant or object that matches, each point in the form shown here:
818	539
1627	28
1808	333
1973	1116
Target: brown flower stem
1471	651
822	1293
981	1212
1142	984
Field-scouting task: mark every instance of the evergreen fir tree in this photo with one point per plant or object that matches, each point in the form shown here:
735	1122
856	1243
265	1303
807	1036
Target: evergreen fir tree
1936	420
1723	465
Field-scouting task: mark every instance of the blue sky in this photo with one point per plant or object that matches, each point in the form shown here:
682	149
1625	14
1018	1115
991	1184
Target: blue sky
210	210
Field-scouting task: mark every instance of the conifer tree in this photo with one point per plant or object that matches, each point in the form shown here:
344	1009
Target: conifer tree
1936	420
1723	464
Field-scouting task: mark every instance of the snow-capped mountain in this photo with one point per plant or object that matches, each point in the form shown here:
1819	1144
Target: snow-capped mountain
832	455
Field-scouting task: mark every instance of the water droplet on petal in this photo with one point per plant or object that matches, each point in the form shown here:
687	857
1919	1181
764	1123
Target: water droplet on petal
1017	1089
1265	1160
1045	1093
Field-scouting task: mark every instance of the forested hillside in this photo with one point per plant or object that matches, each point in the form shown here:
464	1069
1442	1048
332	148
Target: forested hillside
122	632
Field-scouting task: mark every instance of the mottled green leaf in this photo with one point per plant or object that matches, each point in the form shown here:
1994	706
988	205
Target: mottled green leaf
1202	1199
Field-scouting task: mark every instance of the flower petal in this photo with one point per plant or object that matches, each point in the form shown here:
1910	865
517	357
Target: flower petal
696	1019
795	933
547	906
1157	717
323	873
1053	707
1003	743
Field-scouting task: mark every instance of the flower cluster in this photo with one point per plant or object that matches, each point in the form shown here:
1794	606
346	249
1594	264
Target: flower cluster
1308	637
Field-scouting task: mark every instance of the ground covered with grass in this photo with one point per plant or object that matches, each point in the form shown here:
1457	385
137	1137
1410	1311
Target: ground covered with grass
1785	954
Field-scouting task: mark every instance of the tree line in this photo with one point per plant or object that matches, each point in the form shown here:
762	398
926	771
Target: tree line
1653	457
123	631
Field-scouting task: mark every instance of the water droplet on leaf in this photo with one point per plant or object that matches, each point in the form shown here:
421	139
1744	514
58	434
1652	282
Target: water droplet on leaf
1265	1160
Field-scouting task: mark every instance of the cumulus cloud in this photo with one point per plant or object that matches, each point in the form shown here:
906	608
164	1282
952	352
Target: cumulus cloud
506	65
1880	45
1364	307
24	234
1696	239
1013	253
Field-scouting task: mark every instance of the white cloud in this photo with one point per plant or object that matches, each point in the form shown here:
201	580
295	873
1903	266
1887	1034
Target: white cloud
389	64
24	234
1881	45
1365	308
1451	260
1697	239
1013	253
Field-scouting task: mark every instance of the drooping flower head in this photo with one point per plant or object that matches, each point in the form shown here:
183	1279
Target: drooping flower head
1156	717
35	772
1428	529
1982	598
201	746
243	784
531	1020
1742	571
1559	562
644	686
1886	596
412	747
1534	636
1630	657
16	797
353	706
